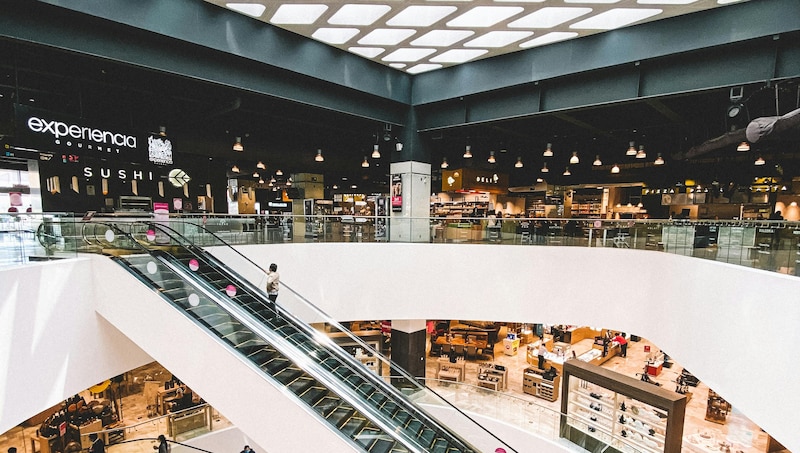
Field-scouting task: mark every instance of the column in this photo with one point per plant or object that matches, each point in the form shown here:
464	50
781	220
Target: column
408	345
411	168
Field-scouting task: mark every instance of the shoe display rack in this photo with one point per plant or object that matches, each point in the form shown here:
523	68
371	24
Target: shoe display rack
607	410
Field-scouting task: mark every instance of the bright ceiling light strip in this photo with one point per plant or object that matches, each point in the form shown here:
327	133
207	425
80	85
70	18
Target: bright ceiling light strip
548	39
298	14
335	35
251	9
386	36
408	55
442	38
549	17
616	18
485	16
369	52
420	16
416	69
497	39
358	14
458	55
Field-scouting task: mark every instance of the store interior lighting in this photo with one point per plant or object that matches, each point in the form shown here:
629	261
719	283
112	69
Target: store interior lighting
376	151
615	169
519	163
597	162
235	168
279	172
467	152
641	154
743	147
261	165
548	151
491	158
319	157
567	172
631	149
574	159
444	163
544	168
659	160
237	145
365	163
760	161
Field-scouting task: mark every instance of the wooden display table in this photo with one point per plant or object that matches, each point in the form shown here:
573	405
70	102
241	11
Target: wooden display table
491	373
534	383
447	370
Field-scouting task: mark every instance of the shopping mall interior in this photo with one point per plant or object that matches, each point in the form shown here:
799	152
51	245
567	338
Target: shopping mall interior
249	121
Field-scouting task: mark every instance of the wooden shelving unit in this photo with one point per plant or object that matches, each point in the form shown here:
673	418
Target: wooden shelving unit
534	383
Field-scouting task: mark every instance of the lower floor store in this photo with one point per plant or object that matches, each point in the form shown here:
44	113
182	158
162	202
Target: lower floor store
497	367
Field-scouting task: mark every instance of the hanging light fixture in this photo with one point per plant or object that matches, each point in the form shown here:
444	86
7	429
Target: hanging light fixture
567	172
261	180
376	151
641	154
631	149
744	146
544	168
574	159
615	169
491	158
539	180
760	161
162	131
548	151
398	146
365	164
467	152
444	163
597	162
272	180
237	145
519	163
319	157
261	165
659	160
256	175
235	169
279	172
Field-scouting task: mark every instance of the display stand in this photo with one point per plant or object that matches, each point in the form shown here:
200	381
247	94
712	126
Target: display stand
491	376
451	371
717	409
612	412
534	383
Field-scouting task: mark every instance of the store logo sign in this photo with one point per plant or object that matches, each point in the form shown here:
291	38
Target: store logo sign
65	133
159	150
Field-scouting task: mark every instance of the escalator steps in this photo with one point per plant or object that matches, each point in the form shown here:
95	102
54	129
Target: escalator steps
287	375
313	394
301	384
390	408
382	446
366	389
340	415
327	405
353	425
276	365
427	437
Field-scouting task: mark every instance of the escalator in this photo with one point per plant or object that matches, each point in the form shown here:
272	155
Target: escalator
360	405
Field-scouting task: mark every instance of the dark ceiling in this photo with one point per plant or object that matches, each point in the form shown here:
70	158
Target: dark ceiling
203	119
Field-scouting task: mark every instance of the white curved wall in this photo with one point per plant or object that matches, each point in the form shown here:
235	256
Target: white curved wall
723	322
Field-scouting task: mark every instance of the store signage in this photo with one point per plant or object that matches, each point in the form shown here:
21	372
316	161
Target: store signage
159	150
121	173
43	130
468	179
397	193
275	204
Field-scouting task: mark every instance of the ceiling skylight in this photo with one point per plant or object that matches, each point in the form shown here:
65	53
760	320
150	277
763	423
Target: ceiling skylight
442	38
251	9
498	38
386	36
298	14
485	16
549	17
615	18
335	35
451	32
421	16
358	14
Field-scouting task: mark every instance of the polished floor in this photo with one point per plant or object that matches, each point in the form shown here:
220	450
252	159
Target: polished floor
737	431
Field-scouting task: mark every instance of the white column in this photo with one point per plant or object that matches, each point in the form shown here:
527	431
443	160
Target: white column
412	223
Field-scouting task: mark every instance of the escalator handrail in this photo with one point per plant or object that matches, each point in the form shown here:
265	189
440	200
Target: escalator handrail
291	352
341	328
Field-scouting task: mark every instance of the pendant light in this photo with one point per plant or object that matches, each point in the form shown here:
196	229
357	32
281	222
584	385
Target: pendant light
237	145
468	152
659	160
256	175
376	151
279	172
444	163
261	165
744	146
574	159
548	151
567	172
519	163
760	161
631	149
235	169
365	163
491	158
597	162
398	146
162	131
319	157
544	168
641	154
615	169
